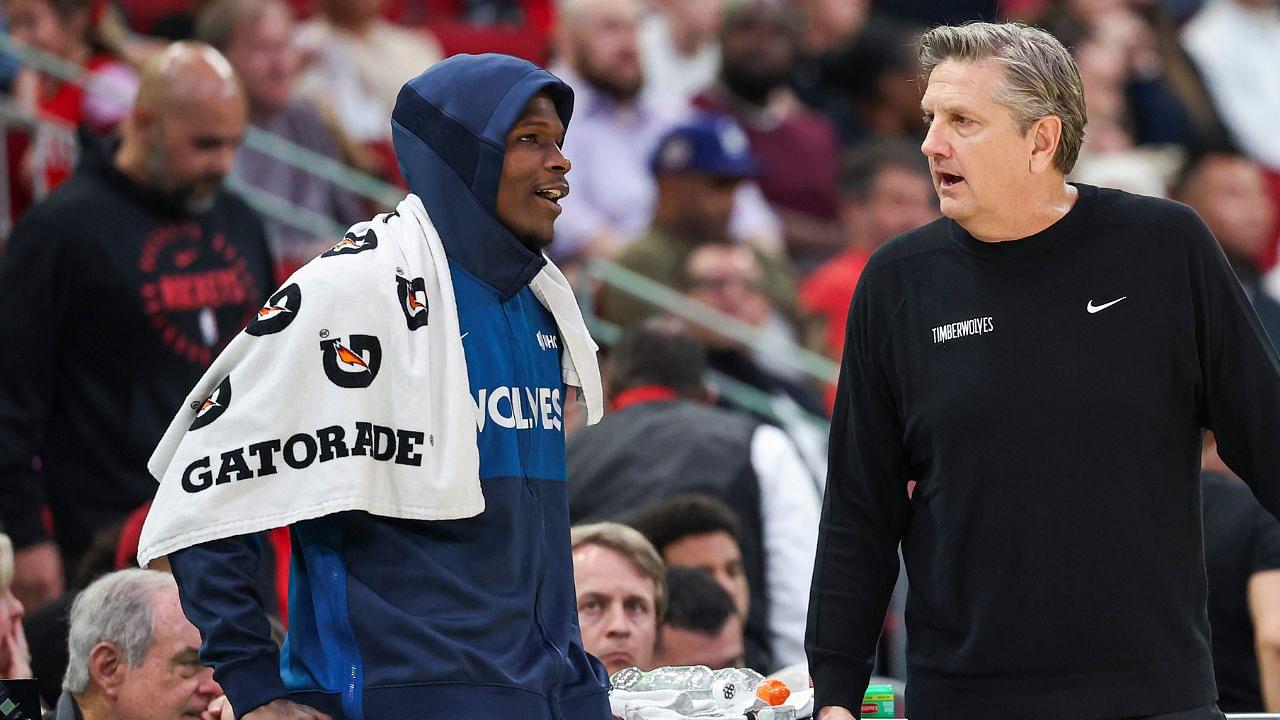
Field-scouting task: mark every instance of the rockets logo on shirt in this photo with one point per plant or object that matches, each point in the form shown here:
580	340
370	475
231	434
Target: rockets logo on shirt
214	405
413	301
350	244
279	311
354	363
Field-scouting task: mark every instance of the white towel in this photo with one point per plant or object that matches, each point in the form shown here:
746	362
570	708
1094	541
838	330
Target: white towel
349	392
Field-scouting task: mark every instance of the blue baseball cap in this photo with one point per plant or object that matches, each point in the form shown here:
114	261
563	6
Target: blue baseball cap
707	144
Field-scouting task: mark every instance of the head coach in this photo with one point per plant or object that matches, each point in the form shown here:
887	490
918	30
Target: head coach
1040	362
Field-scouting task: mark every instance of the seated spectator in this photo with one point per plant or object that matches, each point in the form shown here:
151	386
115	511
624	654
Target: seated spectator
730	278
615	127
1242	564
622	594
513	27
1155	88
1229	192
175	267
873	91
885	190
67	30
134	655
797	148
1236	45
680	47
353	65
254	35
700	167
15	655
702	626
664	438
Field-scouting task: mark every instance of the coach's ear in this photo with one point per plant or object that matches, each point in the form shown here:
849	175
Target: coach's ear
1043	139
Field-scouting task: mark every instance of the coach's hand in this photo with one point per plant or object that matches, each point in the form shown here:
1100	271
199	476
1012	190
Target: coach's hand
834	712
285	710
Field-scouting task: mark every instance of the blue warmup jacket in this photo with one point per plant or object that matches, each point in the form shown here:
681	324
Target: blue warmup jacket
475	618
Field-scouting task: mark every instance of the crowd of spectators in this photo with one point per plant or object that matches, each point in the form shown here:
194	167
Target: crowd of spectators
748	155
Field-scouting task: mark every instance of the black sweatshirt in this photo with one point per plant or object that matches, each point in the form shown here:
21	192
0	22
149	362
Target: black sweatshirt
112	304
1047	395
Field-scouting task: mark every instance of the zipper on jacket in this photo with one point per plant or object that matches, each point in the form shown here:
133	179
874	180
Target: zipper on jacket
557	655
340	624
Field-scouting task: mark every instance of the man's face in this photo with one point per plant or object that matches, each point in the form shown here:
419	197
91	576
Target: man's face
616	608
900	200
702	204
686	647
757	50
36	23
1230	193
191	149
729	279
717	553
978	158
261	53
605	50
170	683
533	174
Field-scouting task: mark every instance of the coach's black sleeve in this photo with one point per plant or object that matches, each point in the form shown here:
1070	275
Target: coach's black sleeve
33	307
864	513
216	581
1239	369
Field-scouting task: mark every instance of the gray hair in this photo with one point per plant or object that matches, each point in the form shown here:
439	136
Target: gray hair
1040	77
117	609
216	23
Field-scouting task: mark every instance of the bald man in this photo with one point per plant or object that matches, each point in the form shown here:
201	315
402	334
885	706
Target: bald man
116	292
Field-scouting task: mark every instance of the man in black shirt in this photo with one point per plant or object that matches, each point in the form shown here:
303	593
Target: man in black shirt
116	292
1242	563
1041	362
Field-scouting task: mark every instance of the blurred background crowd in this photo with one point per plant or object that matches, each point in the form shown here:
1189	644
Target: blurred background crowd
735	163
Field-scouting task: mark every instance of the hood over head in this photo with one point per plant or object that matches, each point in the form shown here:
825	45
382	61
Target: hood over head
449	128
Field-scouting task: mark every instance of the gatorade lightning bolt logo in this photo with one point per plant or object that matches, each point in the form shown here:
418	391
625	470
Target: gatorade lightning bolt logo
353	364
214	405
350	244
413	301
279	311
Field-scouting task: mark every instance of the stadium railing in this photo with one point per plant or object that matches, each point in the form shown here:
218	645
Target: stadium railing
786	354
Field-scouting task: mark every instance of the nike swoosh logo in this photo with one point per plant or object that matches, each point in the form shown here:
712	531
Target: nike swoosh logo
1099	308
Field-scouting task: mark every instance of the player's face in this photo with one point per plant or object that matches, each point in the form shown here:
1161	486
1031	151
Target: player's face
717	553
533	174
616	608
979	159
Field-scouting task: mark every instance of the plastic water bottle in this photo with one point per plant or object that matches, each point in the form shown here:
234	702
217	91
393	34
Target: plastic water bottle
693	679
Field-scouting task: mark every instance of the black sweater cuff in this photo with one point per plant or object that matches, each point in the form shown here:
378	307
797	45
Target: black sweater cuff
840	683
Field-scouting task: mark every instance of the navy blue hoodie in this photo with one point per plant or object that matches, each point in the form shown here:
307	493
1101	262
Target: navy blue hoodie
475	618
